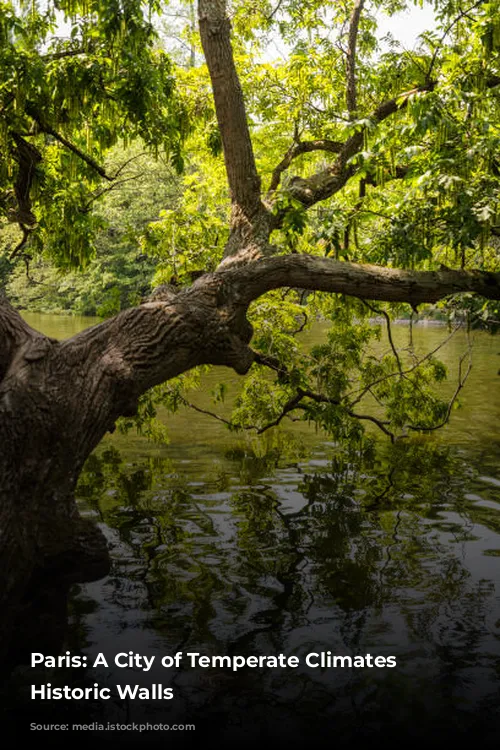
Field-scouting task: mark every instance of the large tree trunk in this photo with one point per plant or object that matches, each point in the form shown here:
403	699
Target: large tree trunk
58	399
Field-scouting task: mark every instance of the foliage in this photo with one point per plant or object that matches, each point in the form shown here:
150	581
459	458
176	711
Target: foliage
65	100
119	274
421	187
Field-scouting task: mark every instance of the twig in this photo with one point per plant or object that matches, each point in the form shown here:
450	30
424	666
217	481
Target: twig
385	314
211	414
462	379
446	32
276	9
363	391
21	243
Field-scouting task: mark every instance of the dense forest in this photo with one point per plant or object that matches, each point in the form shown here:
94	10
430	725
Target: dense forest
258	165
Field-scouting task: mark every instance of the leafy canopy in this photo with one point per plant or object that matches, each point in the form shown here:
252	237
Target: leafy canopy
419	187
77	78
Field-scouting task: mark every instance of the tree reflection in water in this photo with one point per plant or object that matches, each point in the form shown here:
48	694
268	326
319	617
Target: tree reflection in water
386	551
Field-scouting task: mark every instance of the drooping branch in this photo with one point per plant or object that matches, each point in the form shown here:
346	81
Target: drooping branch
351	91
45	128
462	379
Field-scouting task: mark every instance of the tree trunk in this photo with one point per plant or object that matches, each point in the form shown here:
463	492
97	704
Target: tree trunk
58	399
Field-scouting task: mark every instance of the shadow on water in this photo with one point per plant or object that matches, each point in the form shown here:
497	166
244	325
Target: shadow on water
394	552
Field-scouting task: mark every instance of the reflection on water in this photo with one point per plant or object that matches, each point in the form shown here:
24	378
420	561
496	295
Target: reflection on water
295	548
394	554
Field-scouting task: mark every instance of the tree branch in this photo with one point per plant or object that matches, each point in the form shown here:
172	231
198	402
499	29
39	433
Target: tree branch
298	148
248	211
351	93
453	23
28	158
329	181
462	379
45	128
14	335
358	280
22	242
65	53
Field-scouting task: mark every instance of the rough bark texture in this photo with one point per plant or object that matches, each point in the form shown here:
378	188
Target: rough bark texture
351	88
249	216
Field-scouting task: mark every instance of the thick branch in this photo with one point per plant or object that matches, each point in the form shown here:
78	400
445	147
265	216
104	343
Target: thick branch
364	281
351	93
329	181
14	335
28	157
243	179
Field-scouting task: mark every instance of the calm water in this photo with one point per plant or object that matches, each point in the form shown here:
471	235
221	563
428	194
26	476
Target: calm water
223	544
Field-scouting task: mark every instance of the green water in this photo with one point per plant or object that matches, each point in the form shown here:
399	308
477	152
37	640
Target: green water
224	545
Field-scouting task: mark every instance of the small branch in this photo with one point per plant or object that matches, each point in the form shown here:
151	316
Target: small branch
319	398
81	154
64	53
305	321
108	189
273	12
462	379
293	403
44	128
367	389
378	422
272	363
296	401
126	163
453	23
295	150
385	314
21	243
211	414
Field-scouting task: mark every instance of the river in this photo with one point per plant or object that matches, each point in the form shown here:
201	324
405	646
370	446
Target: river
229	545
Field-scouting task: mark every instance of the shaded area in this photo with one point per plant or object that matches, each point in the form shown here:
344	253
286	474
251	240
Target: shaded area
392	551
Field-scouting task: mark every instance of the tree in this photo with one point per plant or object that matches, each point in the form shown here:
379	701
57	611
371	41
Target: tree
58	399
